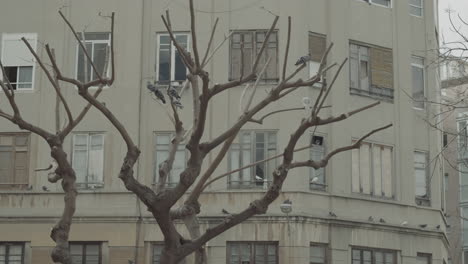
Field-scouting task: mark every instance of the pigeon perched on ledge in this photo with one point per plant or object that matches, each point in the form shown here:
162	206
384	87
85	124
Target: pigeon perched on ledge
303	60
156	92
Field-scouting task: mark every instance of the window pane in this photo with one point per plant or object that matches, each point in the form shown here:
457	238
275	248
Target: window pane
416	2
379	258
364	168
418	86
415	11
382	2
99	58
25	74
157	250
180	70
12	74
81	62
317	254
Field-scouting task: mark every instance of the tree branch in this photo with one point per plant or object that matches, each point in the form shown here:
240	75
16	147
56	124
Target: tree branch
285	63
210	42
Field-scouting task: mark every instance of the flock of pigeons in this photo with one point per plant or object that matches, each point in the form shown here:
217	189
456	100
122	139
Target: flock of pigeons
174	96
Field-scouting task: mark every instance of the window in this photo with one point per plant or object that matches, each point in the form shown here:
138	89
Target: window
423	258
422	190
465	257
88	159
163	142
157	250
417	69
96	45
169	64
373	256
18	61
85	252
386	3
318	254
317	48
372	170
371	71
317	153
14	159
252	252
463	155
11	253
416	7
249	43
249	147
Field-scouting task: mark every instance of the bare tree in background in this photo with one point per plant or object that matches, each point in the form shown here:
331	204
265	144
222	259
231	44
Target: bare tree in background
161	202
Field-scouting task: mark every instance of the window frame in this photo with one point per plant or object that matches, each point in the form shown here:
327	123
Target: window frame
267	180
312	62
7	246
418	7
171	135
371	171
428	256
33	39
172	51
325	247
319	186
421	200
252	249
93	42
373	251
84	244
255	49
86	184
28	156
390	5
420	66
462	153
155	244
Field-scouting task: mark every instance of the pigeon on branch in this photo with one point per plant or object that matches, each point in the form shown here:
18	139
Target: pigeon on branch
303	60
156	92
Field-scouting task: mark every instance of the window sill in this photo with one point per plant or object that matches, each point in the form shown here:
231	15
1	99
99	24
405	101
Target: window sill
425	202
374	4
373	197
385	94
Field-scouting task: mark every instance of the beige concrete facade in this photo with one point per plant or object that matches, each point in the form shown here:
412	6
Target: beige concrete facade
111	214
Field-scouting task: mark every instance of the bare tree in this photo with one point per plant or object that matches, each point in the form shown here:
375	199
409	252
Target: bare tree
161	202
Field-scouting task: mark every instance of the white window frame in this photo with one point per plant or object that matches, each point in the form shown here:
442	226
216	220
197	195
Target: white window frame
424	200
420	66
419	7
358	70
371	172
318	186
173	51
462	157
87	184
252	170
377	4
169	183
32	39
324	247
7	246
93	42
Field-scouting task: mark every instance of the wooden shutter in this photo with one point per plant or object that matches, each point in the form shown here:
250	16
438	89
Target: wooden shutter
387	174
364	167
80	157
381	67
271	51
317	46
377	169
96	158
355	170
354	66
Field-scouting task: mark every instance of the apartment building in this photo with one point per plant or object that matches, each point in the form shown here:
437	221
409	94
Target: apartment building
382	203
454	72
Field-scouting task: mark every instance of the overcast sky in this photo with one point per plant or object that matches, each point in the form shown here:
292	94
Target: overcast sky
457	7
